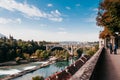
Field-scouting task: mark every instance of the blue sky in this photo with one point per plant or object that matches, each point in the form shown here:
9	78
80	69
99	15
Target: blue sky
49	20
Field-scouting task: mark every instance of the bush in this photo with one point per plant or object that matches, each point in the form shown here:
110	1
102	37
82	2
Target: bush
17	59
26	56
37	78
91	52
79	52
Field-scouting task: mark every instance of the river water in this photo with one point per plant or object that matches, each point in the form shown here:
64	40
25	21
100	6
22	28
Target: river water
45	71
9	70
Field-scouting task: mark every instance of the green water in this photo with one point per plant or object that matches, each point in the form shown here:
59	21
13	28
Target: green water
9	70
46	71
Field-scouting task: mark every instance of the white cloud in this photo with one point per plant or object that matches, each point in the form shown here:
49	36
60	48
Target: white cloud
62	32
68	8
55	16
38	35
95	9
77	5
6	21
61	28
43	25
56	13
50	5
28	10
18	20
91	19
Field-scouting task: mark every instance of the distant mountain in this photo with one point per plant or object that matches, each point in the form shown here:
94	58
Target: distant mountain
1	35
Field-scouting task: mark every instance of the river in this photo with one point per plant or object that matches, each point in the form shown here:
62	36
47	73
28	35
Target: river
9	70
45	71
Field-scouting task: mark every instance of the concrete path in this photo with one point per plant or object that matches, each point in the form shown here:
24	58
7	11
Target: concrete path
110	67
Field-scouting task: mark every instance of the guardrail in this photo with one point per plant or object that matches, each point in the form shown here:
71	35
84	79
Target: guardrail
87	71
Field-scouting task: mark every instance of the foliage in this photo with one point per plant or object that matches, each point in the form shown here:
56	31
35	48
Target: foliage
42	54
79	52
17	59
92	50
61	54
37	78
11	48
109	17
105	33
97	47
26	56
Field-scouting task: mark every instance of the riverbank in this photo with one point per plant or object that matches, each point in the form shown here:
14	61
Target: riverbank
13	63
27	71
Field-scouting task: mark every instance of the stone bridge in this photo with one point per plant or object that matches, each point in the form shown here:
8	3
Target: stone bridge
71	49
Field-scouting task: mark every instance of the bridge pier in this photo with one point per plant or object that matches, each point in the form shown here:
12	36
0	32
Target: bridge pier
66	47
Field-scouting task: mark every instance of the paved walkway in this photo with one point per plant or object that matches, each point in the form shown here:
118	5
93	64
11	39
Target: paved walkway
110	67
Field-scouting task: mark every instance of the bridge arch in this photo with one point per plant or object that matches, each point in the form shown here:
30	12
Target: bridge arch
77	49
62	48
79	54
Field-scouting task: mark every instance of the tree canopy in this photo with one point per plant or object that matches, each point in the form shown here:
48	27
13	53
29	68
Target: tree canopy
109	16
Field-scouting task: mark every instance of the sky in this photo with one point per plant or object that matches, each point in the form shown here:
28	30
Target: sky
50	20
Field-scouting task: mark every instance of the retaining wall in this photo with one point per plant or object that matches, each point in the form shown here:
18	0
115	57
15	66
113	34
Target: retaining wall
70	70
86	72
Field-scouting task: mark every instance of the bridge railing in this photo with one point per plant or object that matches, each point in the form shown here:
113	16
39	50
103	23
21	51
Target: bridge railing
86	72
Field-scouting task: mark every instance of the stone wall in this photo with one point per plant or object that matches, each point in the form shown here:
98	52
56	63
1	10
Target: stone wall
70	70
87	70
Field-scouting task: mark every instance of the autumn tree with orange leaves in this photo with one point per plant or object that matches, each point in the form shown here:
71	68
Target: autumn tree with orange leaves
109	17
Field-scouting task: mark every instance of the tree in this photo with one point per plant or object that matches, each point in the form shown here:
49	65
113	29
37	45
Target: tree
37	53
105	33
19	53
1	56
44	55
37	78
79	52
11	54
26	56
17	59
109	16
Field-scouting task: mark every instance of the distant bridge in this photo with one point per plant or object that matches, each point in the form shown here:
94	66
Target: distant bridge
71	49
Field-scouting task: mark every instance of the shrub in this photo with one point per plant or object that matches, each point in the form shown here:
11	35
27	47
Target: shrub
17	59
91	52
37	78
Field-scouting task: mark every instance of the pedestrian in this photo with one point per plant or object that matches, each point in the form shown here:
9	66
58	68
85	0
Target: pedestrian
115	49
110	47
